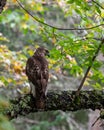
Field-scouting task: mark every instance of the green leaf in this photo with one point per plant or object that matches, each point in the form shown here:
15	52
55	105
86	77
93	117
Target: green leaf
98	9
70	1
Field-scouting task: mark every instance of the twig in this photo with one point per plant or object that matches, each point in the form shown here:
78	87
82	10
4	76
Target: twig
98	4
88	69
58	28
86	38
95	121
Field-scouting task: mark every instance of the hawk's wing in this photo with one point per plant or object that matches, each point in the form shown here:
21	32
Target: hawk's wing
37	73
33	73
33	70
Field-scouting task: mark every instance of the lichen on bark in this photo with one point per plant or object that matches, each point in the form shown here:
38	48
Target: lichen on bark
63	100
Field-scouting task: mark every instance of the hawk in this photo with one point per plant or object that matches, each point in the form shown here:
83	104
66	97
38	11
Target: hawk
38	73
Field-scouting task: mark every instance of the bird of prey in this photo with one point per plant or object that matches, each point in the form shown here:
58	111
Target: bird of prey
38	73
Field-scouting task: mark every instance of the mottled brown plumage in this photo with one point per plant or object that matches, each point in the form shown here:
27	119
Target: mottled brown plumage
38	74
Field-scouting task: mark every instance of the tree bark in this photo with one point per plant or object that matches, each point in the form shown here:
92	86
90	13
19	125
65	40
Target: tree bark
63	100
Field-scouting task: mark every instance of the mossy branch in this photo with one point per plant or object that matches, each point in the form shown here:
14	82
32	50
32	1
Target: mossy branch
63	100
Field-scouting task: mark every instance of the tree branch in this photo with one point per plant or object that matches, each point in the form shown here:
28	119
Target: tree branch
57	28
88	69
98	4
63	100
88	38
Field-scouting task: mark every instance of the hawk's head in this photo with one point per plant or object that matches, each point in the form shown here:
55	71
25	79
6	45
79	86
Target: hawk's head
41	51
